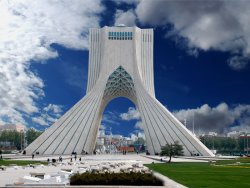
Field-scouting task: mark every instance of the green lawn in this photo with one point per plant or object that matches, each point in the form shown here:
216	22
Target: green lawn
205	175
241	160
19	163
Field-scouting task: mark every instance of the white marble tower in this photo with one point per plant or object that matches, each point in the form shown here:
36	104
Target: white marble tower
120	65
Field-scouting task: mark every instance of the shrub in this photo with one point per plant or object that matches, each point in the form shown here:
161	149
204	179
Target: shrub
172	150
132	178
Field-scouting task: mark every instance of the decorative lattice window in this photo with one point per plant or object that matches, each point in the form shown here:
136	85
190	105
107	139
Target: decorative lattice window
119	83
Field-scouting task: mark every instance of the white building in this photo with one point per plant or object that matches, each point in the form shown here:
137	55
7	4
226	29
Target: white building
120	65
233	134
12	127
212	134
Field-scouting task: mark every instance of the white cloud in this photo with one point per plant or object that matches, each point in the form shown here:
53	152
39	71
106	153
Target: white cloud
74	76
40	121
111	118
115	118
127	18
135	136
27	30
139	125
218	25
127	1
103	127
48	115
130	115
238	62
53	108
141	135
221	118
2	123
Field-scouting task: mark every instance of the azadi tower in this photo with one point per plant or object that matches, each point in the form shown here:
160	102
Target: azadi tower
120	65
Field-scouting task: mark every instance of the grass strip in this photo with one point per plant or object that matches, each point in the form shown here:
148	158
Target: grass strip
19	162
197	175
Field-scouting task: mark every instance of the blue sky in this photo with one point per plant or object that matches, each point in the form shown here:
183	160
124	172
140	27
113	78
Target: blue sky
201	60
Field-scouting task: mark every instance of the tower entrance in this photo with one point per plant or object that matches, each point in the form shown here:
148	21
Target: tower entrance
120	128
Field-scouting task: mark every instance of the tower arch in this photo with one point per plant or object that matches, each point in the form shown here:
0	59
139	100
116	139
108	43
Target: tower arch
120	65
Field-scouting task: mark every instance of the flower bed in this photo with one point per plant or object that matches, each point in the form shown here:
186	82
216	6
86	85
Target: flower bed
122	178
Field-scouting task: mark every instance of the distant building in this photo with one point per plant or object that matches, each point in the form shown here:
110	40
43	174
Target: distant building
134	137
128	140
126	148
212	134
12	127
7	145
233	134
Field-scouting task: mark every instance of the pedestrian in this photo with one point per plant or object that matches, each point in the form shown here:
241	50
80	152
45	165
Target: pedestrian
71	159
33	156
75	157
80	159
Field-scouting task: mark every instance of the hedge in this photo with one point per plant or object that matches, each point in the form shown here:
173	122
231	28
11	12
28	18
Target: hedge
122	178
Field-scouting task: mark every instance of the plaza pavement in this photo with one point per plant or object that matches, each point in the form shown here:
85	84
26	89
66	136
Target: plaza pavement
15	173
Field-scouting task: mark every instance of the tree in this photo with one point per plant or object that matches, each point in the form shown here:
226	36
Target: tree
11	136
222	144
16	139
139	141
32	134
139	144
172	150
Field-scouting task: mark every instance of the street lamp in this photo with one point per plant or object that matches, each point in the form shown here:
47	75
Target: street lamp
185	122
193	123
21	137
213	141
110	141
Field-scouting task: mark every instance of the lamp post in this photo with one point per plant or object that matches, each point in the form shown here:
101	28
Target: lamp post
193	123
110	141
21	140
213	141
185	122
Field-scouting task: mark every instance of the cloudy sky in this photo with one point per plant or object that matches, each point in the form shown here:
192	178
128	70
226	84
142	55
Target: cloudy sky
201	60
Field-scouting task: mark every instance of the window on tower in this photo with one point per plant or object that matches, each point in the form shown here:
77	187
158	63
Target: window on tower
120	35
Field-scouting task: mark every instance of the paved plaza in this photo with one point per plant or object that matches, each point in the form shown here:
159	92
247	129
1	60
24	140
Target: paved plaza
58	173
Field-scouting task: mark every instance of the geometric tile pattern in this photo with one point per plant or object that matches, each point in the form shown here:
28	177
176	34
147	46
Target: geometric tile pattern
119	83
